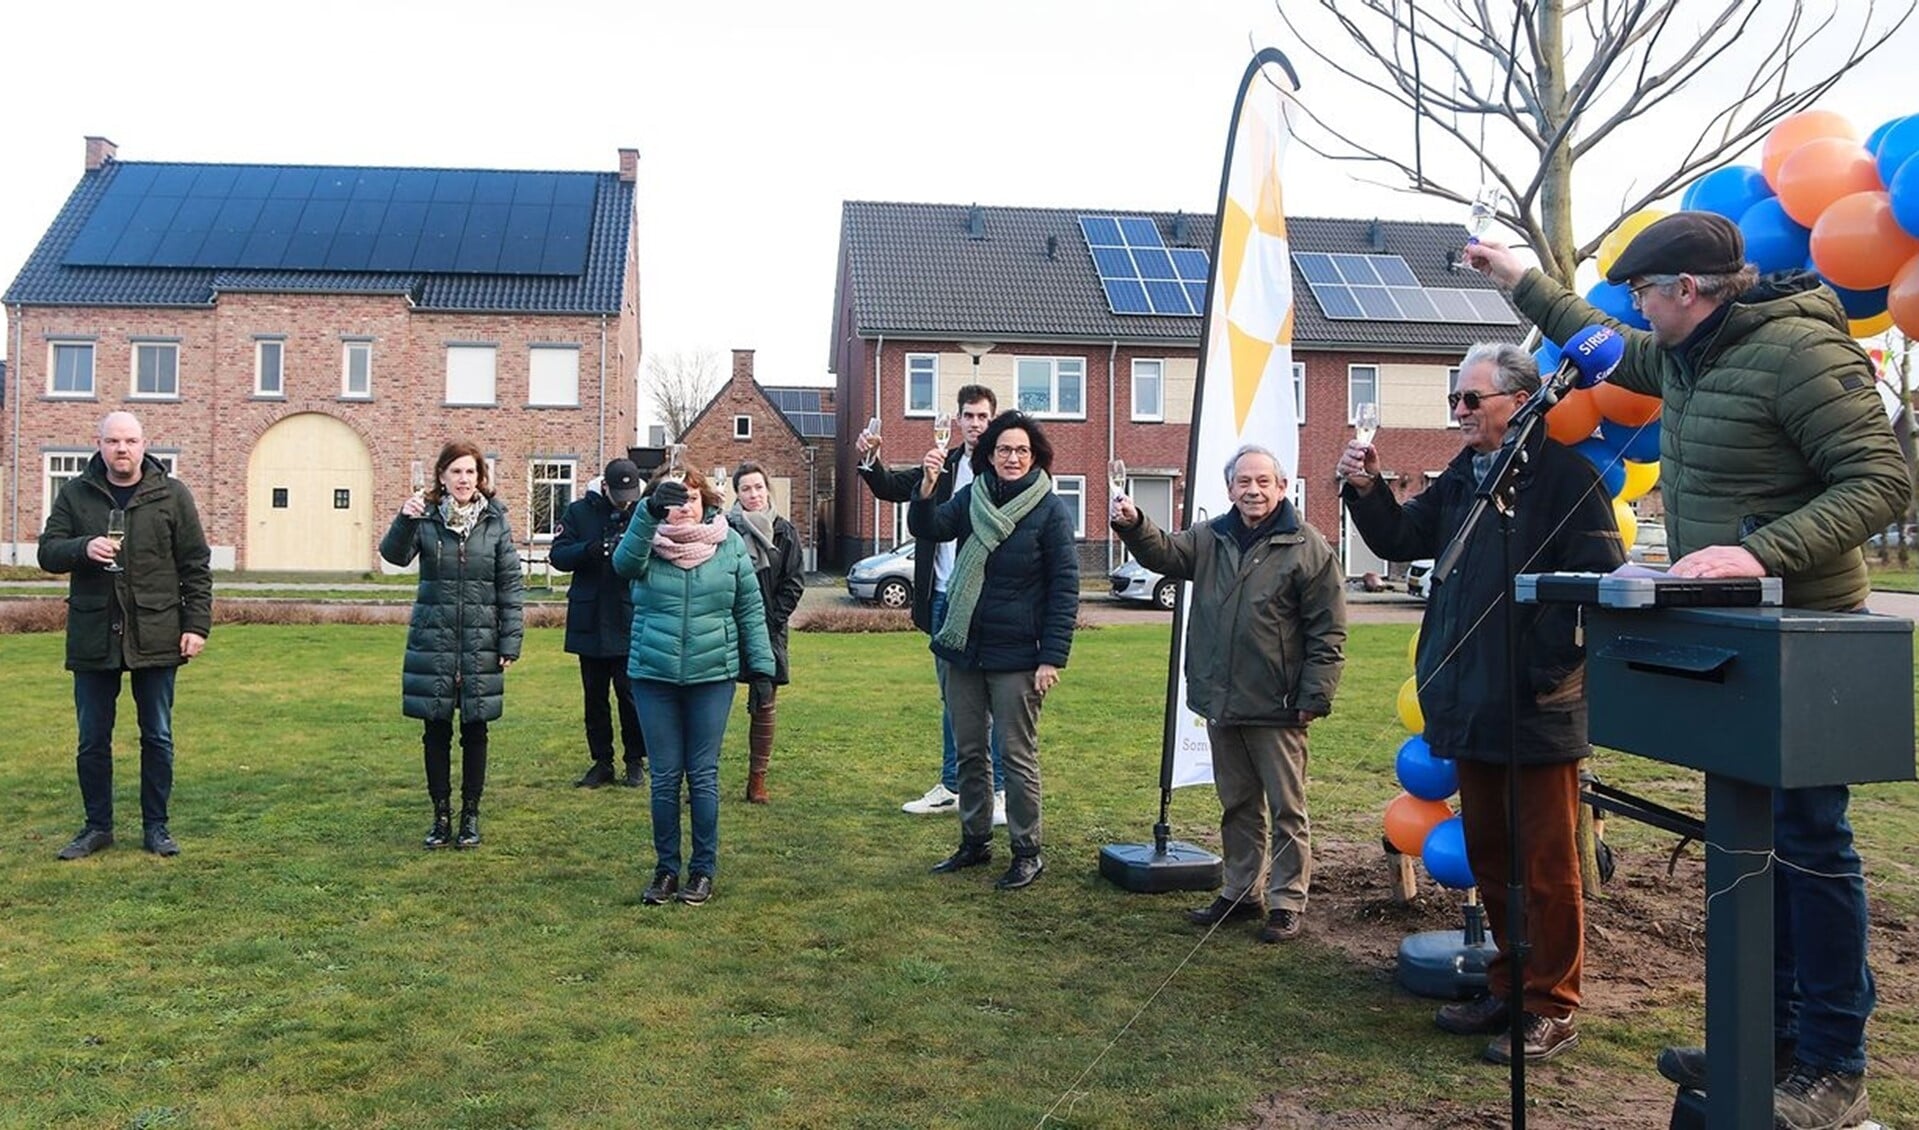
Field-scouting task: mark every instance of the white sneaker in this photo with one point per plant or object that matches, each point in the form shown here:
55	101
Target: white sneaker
999	809
939	798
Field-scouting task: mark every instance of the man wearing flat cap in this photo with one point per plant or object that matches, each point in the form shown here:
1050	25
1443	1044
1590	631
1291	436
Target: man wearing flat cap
599	619
1776	459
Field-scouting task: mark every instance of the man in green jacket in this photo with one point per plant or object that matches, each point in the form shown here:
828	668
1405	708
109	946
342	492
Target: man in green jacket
1264	651
1775	460
143	605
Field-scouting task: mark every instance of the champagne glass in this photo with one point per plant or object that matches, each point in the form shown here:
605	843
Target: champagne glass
717	476
116	533
942	430
1484	211
1116	475
1365	423
676	462
872	432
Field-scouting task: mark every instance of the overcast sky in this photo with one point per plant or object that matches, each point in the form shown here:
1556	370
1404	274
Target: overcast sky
754	118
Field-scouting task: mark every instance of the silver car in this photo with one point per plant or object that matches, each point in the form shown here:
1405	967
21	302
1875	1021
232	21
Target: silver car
1133	581
885	579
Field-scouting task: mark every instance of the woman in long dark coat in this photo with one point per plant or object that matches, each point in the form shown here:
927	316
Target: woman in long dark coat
466	627
774	546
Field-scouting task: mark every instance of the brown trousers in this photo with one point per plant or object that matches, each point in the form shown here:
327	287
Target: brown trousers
1555	906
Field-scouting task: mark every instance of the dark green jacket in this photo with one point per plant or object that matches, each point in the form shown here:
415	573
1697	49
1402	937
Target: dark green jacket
1771	438
465	617
1268	629
166	588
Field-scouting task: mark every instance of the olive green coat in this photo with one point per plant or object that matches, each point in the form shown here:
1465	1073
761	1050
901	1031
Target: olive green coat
466	617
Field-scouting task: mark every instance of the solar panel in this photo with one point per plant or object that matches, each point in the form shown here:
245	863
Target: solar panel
339	218
1139	273
1393	271
1317	268
1490	307
1338	301
1384	288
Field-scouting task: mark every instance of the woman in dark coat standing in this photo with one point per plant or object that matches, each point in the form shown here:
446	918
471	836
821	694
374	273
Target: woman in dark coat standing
774	546
466	627
1012	599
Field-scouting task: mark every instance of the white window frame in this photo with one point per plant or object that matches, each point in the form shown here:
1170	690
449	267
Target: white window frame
278	345
900	533
348	348
547	473
1452	385
73	464
1299	392
54	347
1060	372
742	426
142	348
1072	488
549	383
1352	387
921	366
1157	368
464	362
1296	493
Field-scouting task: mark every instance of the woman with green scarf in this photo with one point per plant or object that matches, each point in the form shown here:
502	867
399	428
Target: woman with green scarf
1012	600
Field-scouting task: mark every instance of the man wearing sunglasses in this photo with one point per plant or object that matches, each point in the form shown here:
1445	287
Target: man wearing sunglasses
1562	521
1775	460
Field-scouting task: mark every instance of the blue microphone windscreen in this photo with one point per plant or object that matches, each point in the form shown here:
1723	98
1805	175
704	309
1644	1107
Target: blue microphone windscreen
1594	353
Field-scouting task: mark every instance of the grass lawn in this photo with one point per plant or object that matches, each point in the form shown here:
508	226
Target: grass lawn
304	963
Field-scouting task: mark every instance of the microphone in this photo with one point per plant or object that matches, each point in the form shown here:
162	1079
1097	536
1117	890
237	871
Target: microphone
1588	358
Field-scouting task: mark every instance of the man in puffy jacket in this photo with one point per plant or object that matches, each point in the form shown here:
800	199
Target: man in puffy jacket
1263	658
599	619
143	606
1775	460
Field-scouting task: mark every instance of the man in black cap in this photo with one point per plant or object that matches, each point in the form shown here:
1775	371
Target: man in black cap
599	619
1775	460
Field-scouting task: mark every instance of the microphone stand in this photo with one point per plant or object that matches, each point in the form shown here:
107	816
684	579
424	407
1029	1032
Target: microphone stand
1497	490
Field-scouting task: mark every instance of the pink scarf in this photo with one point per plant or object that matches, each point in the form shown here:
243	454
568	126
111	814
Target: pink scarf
688	544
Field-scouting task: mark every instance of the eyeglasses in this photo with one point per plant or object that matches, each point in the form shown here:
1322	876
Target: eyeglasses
1472	400
1004	452
1639	303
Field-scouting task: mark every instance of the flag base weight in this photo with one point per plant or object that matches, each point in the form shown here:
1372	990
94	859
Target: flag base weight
1144	869
1443	965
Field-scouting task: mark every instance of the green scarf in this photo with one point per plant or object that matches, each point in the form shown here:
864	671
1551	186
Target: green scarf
992	524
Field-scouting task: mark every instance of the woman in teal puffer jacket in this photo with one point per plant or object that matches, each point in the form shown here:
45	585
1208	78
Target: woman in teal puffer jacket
466	626
699	623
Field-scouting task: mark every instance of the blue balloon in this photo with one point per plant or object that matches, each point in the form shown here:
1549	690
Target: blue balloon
1546	357
1896	146
1607	461
1422	774
1904	190
1615	301
1727	192
1878	135
1774	242
1445	855
1859	304
1638	444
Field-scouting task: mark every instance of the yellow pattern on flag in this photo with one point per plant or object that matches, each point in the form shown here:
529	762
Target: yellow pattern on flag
1272	212
1235	228
1250	355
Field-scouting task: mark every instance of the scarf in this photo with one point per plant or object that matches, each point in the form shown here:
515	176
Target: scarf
690	543
992	524
756	526
462	519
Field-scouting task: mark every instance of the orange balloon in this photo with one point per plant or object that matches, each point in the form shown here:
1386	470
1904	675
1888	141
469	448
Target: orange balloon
1794	131
1902	298
1573	418
1857	243
1623	406
1820	172
1409	819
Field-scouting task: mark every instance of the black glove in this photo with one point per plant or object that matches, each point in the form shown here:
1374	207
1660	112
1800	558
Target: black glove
666	496
759	692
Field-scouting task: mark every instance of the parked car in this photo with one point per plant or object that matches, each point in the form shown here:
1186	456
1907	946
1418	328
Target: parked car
885	579
1893	536
1418	577
1649	547
1133	581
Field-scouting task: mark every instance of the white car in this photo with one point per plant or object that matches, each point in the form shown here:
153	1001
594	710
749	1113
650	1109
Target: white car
885	579
1133	581
1419	577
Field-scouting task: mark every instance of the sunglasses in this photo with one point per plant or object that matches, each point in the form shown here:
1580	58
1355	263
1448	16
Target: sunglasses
1472	400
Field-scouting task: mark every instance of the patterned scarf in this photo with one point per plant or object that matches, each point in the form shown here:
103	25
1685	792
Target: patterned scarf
462	519
687	544
992	524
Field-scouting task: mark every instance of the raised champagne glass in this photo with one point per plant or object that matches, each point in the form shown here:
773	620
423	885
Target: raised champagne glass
1365	423
872	432
117	534
676	462
1116	476
942	430
1483	213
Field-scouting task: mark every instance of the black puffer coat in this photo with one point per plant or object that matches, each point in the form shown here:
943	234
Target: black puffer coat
599	603
465	618
782	583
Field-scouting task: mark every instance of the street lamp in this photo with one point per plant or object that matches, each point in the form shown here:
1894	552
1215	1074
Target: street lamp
976	350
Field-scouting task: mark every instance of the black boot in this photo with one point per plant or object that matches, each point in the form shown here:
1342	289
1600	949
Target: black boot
597	774
469	825
441	834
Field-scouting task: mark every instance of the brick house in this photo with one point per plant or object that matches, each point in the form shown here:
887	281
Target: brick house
299	342
930	297
787	430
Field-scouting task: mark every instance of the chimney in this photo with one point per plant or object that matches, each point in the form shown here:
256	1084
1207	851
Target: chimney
629	166
1376	237
99	152
975	223
1182	230
743	365
1052	247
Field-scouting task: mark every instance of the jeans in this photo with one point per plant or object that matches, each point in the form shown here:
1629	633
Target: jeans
949	748
96	700
596	676
1822	990
684	727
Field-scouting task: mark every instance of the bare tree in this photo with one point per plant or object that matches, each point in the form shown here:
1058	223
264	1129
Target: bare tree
1528	92
679	385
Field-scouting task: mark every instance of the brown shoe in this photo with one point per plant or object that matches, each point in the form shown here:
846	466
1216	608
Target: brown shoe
1545	1038
1282	925
1481	1016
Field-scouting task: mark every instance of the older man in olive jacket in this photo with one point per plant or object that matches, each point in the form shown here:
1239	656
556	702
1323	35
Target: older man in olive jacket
1265	647
143	605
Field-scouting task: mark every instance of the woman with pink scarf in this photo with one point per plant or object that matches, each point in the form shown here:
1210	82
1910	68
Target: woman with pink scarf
699	624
